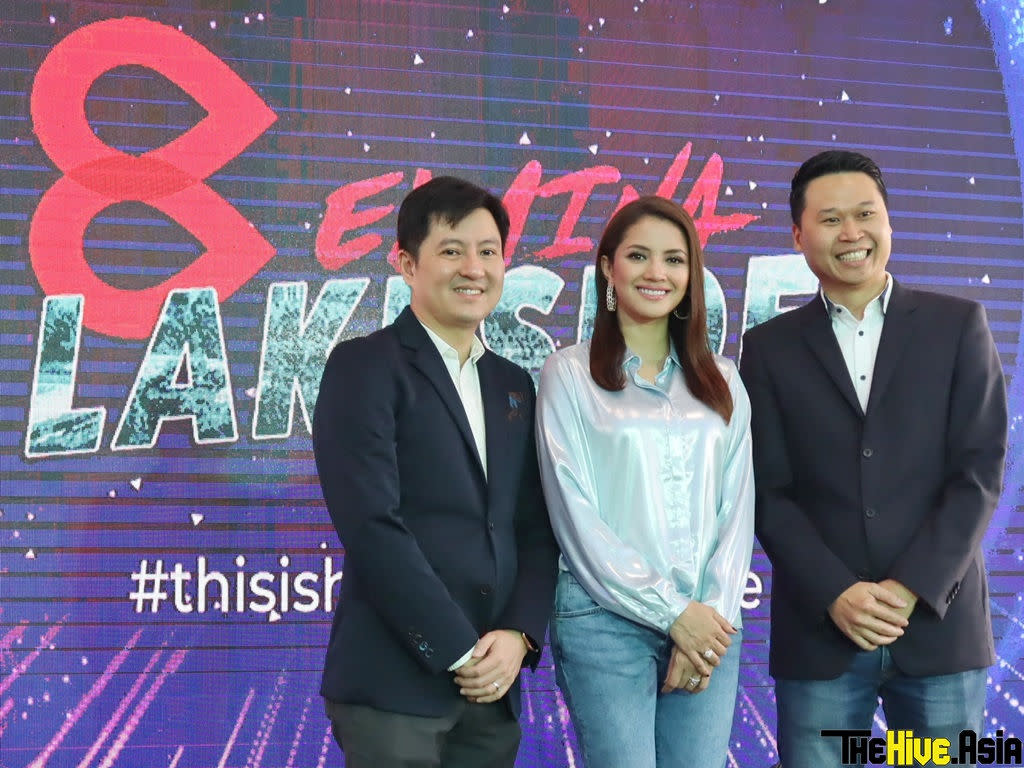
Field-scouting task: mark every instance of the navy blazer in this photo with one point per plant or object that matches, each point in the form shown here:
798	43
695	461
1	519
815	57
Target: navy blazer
436	554
904	490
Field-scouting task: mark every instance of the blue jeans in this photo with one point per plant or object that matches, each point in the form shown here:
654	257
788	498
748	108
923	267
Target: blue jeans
611	670
937	706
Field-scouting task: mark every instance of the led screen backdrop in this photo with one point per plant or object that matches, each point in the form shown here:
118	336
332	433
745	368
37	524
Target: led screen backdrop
198	200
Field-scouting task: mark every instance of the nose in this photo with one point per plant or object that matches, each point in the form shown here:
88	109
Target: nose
654	270
851	230
472	265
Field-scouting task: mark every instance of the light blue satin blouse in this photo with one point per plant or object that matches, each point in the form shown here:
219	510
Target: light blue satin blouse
650	492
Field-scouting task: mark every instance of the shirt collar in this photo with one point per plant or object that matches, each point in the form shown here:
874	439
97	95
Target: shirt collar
631	360
476	351
882	298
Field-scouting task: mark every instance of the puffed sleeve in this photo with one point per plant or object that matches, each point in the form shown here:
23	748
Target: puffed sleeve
617	577
726	573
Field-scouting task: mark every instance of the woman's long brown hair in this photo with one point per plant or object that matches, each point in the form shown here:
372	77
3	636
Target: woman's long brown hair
690	336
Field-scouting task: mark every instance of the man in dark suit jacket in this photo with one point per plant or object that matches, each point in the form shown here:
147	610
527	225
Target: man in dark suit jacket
879	427
425	450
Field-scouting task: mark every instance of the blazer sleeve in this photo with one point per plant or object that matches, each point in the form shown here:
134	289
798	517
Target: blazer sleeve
532	599
796	549
354	432
942	549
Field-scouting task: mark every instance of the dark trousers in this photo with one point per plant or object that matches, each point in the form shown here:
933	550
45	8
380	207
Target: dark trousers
472	736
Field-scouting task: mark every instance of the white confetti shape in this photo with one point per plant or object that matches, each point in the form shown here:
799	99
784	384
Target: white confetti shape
718	97
600	21
833	137
752	185
417	60
136	483
750	138
246	20
504	9
647	161
971	181
761	137
366	147
349	134
111	493
307	225
821	102
259	16
593	149
469	34
525	139
197	518
844	96
31	515
607	134
728	191
590	27
433	135
30	555
213	24
53	19
323	545
273	616
986	279
580	49
348	91
250	392
822	2
764	206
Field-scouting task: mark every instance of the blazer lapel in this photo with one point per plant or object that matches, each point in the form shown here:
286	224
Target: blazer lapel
427	360
820	337
896	332
496	408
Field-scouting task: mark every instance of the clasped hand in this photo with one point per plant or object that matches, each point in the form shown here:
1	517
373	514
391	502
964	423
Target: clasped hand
493	667
871	614
700	635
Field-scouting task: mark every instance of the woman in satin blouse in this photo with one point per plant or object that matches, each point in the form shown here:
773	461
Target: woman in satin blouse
644	442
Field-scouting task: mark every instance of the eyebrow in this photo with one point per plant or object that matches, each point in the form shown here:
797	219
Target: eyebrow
645	248
458	241
858	205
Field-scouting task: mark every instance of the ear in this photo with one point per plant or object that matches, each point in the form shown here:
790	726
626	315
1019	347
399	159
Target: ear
406	266
606	268
798	238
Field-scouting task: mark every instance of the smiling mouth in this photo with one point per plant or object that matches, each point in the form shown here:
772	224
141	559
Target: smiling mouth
653	293
853	256
469	291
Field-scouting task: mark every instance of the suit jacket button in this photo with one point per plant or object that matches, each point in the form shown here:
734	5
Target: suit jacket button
869	512
867	453
485	589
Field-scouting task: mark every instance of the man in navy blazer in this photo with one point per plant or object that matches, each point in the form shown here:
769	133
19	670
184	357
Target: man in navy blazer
879	425
425	450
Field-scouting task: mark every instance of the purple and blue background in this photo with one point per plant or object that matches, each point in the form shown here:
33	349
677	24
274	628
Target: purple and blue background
580	99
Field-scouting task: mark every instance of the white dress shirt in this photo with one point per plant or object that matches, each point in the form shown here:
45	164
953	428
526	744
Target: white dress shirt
858	339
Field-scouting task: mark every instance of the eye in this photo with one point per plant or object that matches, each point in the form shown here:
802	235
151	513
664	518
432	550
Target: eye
676	260
830	220
866	214
450	252
636	256
488	252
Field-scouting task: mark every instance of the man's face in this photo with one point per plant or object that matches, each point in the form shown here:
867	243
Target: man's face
844	233
457	279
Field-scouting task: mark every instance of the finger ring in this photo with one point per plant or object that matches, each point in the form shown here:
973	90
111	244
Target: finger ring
709	654
692	682
497	685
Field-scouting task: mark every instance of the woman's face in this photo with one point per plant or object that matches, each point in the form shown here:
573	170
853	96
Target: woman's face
650	270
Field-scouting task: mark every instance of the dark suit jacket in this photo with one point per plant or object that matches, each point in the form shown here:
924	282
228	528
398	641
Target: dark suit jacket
435	554
904	491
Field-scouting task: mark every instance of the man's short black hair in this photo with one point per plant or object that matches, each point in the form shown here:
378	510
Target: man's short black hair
824	163
445	199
